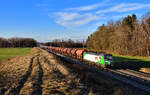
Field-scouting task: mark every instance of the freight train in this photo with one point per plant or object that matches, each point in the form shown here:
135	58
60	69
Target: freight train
102	59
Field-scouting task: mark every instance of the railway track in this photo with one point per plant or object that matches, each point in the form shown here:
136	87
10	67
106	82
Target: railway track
133	79
145	75
139	75
136	79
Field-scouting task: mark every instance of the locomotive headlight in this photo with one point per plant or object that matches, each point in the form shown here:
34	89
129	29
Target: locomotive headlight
108	62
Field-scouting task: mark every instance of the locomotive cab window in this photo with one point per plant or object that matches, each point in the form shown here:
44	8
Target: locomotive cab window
108	57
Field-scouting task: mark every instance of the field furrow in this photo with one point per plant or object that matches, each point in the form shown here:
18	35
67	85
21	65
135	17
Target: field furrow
32	85
15	74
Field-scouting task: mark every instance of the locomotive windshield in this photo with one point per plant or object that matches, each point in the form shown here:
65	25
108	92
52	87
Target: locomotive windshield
108	56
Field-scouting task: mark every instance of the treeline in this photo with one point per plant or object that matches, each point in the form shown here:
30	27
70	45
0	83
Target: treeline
130	36
17	42
65	43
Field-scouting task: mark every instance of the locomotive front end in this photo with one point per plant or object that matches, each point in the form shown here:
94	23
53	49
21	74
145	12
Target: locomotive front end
108	59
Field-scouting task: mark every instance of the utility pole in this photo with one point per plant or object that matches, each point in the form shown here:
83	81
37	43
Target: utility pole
83	43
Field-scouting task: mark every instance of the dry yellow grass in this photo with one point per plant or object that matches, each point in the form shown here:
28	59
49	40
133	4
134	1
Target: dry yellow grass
146	70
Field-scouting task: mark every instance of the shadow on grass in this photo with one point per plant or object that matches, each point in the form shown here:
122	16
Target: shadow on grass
127	63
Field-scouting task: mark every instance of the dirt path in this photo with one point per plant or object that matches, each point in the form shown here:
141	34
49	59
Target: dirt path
41	73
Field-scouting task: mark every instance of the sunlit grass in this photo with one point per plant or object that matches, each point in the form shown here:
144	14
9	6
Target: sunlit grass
6	53
133	57
136	62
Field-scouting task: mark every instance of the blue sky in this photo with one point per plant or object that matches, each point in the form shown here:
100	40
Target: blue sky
46	20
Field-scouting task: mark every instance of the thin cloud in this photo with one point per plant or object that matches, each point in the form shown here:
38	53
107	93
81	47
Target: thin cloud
74	19
67	16
124	8
86	20
85	8
136	7
88	7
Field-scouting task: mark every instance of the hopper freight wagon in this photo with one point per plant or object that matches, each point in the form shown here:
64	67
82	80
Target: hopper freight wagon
102	59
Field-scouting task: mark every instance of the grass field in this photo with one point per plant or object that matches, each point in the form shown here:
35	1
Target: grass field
6	53
132	57
135	62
